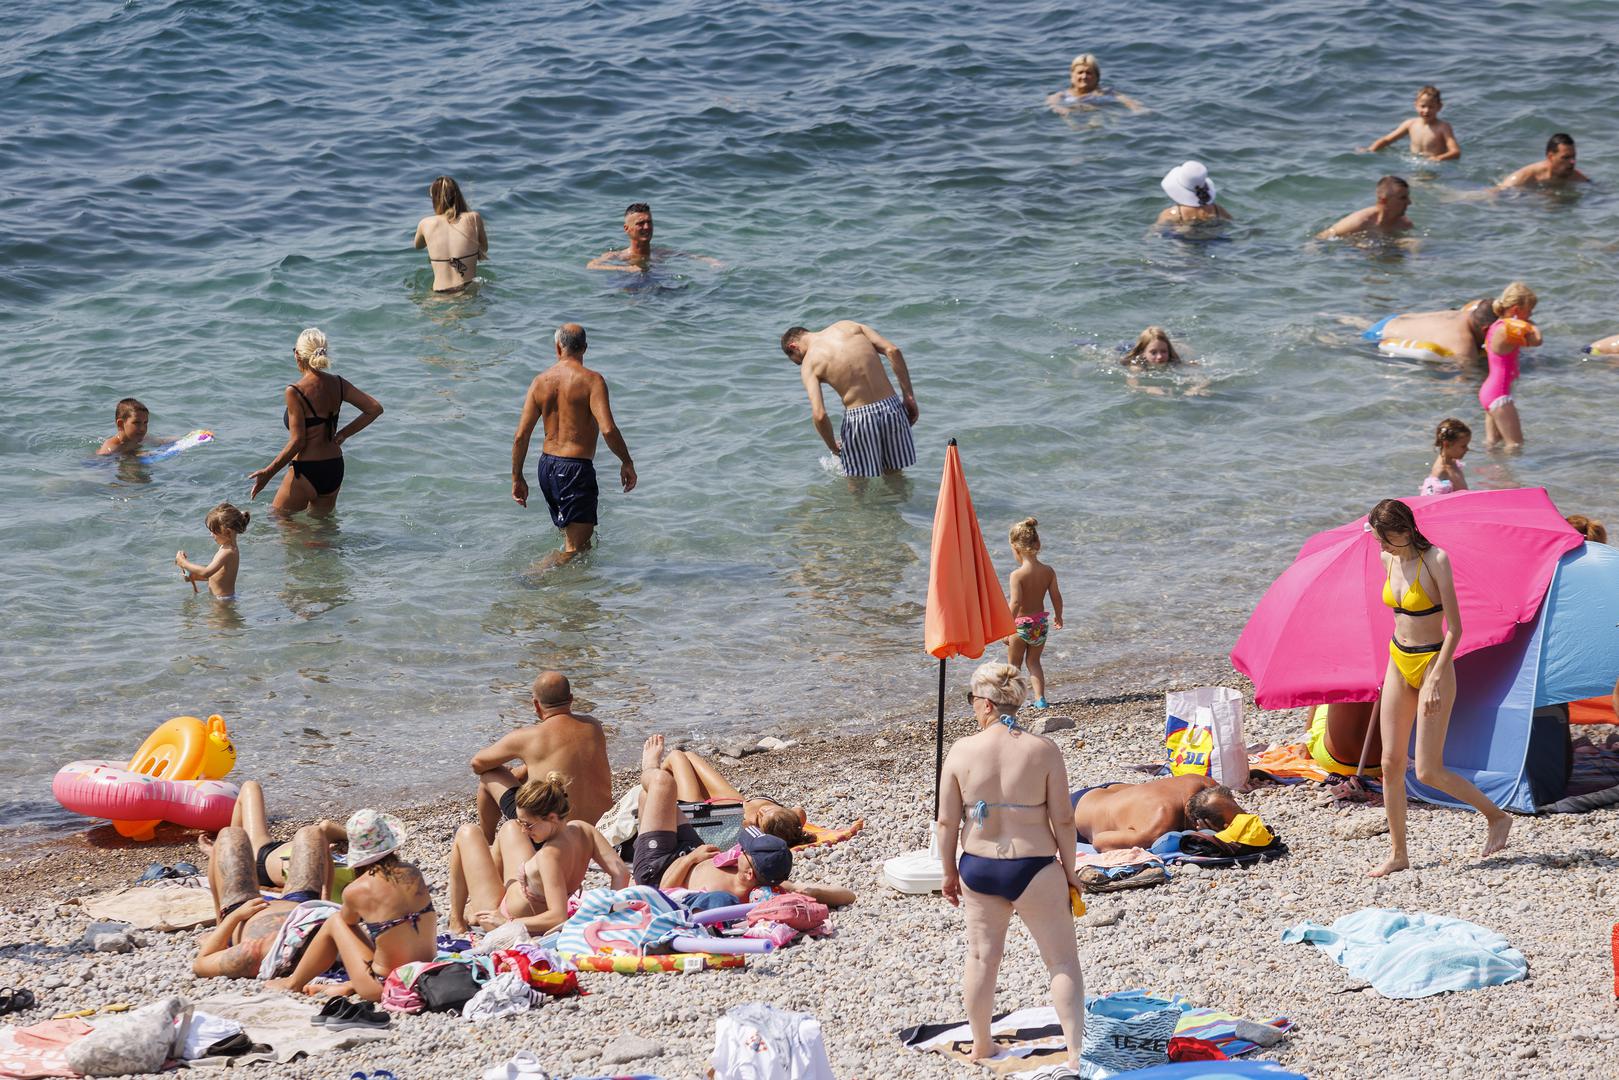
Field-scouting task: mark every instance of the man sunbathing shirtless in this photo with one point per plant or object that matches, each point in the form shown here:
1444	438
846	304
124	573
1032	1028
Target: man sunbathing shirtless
670	855
248	923
1115	816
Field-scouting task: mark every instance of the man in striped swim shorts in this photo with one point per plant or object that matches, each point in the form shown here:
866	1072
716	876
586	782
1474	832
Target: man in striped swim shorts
876	434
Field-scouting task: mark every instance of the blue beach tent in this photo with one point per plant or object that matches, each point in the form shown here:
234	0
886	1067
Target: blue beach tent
1502	736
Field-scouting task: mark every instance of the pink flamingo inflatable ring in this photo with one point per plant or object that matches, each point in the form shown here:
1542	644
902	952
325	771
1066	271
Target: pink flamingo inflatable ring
175	776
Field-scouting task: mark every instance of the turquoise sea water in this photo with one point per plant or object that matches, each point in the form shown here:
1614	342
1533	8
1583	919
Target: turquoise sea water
192	183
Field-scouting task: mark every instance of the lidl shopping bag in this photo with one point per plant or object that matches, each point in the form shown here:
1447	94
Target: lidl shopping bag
1203	733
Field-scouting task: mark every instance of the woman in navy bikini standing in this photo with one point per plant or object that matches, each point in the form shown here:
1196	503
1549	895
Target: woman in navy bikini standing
1017	853
314	443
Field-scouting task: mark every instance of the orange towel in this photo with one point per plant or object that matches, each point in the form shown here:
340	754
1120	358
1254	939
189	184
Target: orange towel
1289	760
825	837
1594	710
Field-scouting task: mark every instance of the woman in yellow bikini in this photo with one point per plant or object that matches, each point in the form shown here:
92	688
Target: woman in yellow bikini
1419	686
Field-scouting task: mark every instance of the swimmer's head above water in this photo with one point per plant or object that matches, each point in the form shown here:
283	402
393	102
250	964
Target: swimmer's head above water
1560	155
1152	347
638	223
1084	74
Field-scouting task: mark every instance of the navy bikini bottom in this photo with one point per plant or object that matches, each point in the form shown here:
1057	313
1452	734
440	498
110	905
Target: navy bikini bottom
1006	878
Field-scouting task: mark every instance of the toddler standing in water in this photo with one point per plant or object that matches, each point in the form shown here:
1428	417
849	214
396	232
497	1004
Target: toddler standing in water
1451	439
226	523
1030	583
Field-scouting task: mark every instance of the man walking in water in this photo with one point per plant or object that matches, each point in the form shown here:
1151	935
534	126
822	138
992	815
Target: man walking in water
876	434
573	401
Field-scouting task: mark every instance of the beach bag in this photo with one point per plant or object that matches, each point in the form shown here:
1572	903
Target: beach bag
1128	1031
795	909
1203	734
447	988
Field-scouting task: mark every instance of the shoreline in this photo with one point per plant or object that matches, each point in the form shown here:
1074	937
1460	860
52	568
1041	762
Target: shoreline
1211	935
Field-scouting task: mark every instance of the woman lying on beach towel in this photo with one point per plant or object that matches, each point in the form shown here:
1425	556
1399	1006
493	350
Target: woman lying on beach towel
696	780
538	861
387	919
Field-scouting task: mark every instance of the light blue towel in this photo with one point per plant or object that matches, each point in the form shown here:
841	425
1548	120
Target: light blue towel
1414	955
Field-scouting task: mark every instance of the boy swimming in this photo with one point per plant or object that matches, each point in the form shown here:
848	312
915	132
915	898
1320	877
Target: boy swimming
131	417
1430	136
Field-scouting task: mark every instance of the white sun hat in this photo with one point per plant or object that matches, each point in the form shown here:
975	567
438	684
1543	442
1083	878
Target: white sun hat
1183	182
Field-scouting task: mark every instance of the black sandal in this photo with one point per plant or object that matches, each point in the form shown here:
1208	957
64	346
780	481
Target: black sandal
15	1001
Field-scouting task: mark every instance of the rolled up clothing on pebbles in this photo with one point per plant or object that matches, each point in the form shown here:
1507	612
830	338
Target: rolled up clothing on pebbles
1211	935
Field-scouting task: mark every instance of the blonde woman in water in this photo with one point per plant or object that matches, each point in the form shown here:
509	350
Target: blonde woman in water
1030	583
454	237
314	443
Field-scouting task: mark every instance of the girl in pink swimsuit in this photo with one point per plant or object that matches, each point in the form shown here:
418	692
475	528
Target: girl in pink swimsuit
1511	331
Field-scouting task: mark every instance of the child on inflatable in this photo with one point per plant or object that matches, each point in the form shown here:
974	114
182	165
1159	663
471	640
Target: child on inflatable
226	523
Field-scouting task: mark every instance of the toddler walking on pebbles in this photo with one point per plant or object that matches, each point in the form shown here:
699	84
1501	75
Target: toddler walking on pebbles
1451	439
226	523
1029	584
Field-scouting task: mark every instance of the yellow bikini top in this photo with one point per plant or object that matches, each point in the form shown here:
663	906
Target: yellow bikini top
1416	600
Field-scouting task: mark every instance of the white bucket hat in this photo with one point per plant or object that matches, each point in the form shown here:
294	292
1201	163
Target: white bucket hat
1182	183
373	836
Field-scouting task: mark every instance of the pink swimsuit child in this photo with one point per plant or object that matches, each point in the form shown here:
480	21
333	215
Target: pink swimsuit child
1497	388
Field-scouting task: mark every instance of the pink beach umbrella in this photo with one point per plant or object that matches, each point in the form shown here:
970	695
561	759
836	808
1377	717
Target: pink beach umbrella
1321	631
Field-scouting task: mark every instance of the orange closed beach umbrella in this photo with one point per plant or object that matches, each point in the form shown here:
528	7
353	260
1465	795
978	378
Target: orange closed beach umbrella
966	608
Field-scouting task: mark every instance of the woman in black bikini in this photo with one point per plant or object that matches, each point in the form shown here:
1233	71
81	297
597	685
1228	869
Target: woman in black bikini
454	237
314	443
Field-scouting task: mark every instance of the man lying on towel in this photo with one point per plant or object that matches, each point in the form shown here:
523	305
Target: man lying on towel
249	924
1114	816
670	855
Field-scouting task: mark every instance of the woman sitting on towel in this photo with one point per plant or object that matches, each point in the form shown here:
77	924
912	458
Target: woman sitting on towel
538	861
1419	686
696	780
387	919
1017	853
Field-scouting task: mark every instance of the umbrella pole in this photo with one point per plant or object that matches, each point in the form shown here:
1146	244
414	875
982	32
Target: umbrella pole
938	746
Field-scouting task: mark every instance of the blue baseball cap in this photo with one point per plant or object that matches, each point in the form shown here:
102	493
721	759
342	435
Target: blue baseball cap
771	857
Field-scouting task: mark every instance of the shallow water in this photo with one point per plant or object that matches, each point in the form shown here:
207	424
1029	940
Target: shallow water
200	181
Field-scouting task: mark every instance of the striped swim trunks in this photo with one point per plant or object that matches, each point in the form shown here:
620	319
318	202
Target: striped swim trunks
877	438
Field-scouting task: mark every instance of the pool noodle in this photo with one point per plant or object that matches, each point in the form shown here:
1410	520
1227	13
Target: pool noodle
722	914
723	946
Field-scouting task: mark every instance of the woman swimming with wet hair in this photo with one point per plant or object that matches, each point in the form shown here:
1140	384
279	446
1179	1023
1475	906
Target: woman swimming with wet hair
1419	684
453	236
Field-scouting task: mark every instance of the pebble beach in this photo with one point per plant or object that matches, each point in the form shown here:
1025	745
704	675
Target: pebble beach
1213	936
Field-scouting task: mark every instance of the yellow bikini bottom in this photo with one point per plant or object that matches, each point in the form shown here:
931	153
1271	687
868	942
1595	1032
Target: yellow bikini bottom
1413	660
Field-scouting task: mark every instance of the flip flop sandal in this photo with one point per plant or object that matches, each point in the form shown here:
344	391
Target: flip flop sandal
358	1015
15	1001
332	1008
76	1014
117	1007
